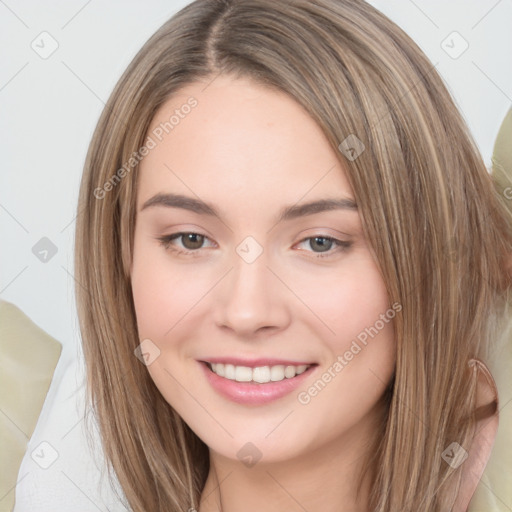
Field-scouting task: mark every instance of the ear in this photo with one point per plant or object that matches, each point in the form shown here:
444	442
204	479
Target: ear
487	419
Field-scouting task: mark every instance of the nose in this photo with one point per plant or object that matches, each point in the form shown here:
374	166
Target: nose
251	299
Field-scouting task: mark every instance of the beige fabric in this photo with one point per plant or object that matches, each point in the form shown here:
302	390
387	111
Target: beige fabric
494	492
28	357
502	154
479	452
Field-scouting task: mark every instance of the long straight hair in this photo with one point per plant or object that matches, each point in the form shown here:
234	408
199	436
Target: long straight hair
429	210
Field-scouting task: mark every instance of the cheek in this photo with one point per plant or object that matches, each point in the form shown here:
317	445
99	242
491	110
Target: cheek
164	296
162	292
346	302
361	349
150	301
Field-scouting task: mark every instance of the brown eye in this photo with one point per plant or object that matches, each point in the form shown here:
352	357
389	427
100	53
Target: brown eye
186	242
192	241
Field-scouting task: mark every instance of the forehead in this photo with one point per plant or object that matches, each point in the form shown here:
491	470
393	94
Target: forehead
234	138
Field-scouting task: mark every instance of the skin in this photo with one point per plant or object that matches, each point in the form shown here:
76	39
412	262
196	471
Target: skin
251	151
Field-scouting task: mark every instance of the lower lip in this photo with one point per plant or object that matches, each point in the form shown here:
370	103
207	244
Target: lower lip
249	393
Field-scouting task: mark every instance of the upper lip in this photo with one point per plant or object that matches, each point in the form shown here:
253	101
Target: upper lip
254	363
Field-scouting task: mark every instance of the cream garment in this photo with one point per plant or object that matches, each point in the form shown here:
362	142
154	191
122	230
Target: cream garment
28	357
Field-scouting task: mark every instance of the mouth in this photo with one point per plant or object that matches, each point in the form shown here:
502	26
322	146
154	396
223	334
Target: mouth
257	374
258	384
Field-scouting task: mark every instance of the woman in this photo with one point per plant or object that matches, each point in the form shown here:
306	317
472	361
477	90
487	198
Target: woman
286	221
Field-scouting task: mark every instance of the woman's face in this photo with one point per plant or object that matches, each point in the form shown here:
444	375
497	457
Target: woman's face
249	253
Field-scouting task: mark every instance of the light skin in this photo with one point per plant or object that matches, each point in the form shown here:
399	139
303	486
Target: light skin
251	152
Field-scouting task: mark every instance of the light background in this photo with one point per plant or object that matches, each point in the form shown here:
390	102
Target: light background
49	108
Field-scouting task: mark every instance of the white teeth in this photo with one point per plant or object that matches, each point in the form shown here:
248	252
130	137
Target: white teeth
243	374
260	374
229	372
289	372
302	368
277	373
219	369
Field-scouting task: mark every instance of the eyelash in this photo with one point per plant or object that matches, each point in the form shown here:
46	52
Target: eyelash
166	242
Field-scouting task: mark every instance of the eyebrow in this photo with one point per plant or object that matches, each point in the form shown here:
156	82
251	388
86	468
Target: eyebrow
288	213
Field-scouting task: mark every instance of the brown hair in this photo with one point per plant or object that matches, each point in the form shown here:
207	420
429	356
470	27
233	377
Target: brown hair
426	200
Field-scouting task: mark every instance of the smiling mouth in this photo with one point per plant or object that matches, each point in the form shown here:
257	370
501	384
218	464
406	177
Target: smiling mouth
259	374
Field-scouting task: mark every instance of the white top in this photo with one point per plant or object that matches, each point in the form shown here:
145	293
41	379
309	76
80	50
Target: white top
61	471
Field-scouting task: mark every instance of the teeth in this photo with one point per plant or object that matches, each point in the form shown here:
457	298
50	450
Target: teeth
243	374
260	374
229	371
277	373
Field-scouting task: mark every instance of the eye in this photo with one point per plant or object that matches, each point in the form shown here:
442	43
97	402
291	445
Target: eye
190	242
324	244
